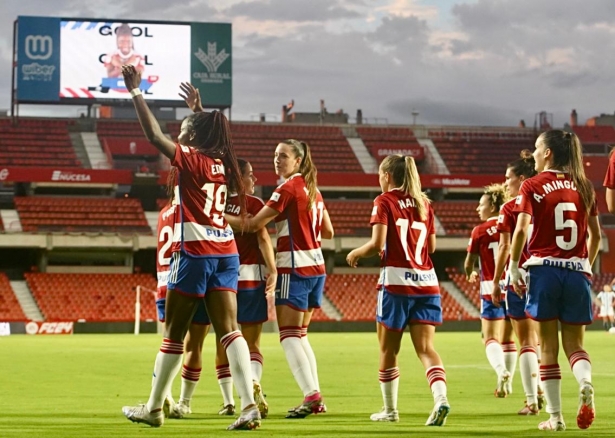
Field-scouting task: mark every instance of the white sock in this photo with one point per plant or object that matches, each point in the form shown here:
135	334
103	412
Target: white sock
166	367
436	377
239	361
307	347
495	356
226	385
256	362
510	357
551	378
581	366
290	338
389	386
190	379
528	366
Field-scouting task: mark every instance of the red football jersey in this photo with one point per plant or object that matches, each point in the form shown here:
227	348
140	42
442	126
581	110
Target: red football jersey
559	237
201	229
298	229
252	269
484	241
166	224
406	267
609	178
507	222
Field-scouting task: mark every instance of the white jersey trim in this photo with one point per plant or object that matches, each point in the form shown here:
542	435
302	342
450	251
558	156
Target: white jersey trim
573	264
302	259
391	276
251	272
194	232
282	228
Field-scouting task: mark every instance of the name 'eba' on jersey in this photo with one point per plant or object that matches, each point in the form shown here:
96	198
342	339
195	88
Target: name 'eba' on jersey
405	265
485	241
298	228
201	192
166	224
559	237
252	268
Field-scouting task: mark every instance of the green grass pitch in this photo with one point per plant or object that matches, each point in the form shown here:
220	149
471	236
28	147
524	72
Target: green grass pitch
75	386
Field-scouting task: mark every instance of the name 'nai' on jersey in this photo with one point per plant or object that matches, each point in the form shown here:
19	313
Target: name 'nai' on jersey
298	229
559	237
200	227
406	268
251	264
484	241
166	223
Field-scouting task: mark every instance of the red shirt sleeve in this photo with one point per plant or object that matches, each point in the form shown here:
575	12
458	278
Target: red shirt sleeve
474	243
505	221
380	212
609	179
523	203
280	198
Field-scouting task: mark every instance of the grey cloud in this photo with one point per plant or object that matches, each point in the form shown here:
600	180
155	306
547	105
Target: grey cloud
445	112
283	10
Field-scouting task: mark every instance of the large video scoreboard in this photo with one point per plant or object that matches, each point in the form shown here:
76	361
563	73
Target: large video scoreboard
77	61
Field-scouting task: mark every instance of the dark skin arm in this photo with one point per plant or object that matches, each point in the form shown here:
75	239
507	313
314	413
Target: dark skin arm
151	128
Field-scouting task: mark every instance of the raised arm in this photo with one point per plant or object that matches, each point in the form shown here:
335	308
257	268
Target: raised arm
191	96
149	124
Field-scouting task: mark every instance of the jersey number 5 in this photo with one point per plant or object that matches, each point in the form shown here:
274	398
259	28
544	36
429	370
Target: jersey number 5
561	224
216	201
420	242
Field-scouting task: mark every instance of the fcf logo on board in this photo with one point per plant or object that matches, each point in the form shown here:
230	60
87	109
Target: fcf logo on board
39	47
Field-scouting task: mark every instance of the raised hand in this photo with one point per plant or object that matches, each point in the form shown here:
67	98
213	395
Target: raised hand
191	96
132	78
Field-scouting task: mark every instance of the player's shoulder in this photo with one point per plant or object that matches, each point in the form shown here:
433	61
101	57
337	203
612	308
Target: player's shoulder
254	201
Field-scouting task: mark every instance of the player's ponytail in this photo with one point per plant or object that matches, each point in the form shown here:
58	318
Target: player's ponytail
243	164
307	168
568	155
213	138
405	175
498	195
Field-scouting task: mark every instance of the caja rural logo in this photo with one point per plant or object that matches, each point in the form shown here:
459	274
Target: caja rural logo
212	60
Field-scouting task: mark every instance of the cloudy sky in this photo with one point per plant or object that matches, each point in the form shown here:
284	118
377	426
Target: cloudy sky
467	62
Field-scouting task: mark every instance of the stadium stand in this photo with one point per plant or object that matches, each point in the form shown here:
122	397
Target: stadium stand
10	309
350	217
37	143
126	147
92	297
256	142
480	151
457	217
595	139
355	296
385	141
471	290
40	213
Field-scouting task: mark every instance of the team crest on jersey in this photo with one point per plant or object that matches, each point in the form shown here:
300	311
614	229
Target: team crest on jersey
275	196
519	199
501	219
